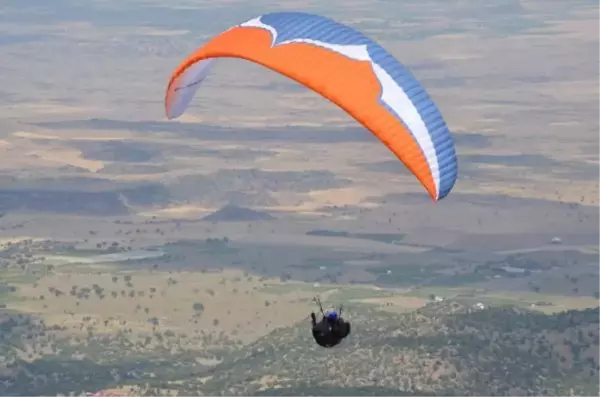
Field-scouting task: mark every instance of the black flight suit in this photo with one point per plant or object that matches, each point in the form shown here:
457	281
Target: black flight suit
329	333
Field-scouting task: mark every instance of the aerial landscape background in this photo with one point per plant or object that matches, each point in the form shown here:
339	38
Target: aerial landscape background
147	256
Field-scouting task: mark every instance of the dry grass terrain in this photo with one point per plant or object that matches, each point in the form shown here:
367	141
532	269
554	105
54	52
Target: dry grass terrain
224	296
235	307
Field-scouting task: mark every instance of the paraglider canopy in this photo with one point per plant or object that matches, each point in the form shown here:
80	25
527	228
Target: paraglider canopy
346	67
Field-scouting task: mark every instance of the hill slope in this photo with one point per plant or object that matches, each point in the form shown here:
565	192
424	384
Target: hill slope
232	213
443	349
485	352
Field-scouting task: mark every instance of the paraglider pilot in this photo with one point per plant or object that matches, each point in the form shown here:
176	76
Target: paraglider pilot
332	328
